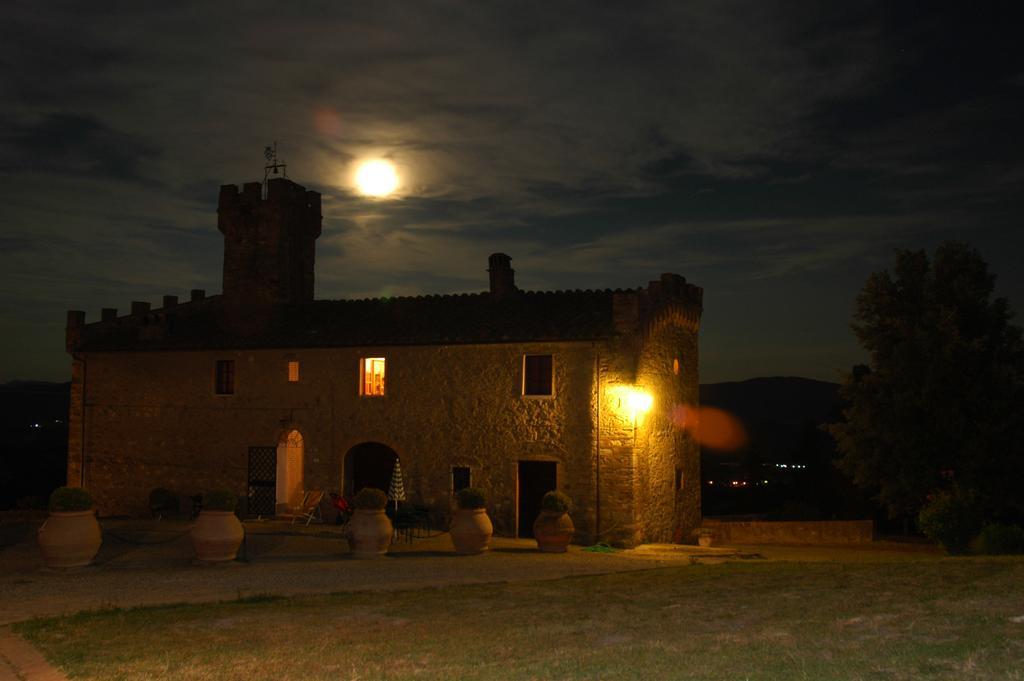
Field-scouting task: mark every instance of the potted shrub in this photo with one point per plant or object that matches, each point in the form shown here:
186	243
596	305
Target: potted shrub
217	533
369	530
70	536
471	528
553	528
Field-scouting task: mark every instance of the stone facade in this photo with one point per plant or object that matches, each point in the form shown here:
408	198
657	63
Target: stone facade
145	412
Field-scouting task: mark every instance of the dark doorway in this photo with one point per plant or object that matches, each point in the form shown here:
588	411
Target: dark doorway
262	497
536	478
369	464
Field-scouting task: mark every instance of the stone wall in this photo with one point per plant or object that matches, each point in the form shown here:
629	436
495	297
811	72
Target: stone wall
791	532
145	419
151	419
668	477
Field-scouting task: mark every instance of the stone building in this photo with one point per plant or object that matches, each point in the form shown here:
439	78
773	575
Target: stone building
267	392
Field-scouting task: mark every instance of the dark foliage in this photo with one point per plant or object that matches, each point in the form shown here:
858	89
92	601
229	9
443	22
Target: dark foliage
471	498
219	500
163	500
556	501
998	539
937	409
69	499
950	518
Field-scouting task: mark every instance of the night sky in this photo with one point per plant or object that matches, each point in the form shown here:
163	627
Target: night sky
773	153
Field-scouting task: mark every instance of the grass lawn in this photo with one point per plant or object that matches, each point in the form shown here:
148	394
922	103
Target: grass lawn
950	619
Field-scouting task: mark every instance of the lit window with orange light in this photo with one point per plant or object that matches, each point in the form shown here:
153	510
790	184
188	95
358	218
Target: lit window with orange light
371	383
293	372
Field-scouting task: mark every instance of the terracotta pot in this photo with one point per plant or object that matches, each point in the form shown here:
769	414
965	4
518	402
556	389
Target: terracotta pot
369	533
216	536
553	531
471	531
70	539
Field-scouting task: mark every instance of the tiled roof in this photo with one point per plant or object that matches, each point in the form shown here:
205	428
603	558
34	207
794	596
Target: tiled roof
423	320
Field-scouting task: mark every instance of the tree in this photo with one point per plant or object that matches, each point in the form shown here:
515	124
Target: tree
938	407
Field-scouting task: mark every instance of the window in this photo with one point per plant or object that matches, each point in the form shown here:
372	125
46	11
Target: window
371	379
460	478
675	366
225	377
293	371
537	376
679	479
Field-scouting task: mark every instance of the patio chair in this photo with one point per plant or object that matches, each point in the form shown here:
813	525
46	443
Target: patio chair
309	509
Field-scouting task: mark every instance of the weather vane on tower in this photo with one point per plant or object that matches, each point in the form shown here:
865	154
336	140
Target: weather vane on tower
273	164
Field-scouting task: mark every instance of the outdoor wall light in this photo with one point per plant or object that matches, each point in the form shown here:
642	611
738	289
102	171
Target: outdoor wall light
632	401
638	401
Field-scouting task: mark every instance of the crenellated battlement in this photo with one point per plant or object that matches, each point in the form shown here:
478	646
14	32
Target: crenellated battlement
673	288
269	242
669	296
142	322
280	193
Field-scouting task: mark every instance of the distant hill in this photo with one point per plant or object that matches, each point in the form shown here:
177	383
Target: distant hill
780	413
778	399
783	416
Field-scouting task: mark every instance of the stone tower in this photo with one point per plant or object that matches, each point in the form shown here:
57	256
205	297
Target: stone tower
269	243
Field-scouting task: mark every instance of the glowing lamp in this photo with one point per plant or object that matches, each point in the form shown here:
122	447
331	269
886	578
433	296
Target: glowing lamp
633	401
638	402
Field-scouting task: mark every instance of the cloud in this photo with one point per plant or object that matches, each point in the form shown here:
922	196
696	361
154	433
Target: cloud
743	144
69	143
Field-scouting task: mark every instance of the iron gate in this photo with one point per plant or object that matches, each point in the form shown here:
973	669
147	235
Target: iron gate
262	481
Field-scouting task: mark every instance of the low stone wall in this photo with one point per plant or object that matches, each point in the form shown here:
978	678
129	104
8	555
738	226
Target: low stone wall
791	531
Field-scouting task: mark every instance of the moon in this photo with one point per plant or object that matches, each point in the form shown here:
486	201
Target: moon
377	178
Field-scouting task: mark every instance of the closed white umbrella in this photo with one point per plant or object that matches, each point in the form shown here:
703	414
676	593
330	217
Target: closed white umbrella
396	490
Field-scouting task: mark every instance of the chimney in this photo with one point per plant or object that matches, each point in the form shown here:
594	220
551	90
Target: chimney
197	294
139	307
170	301
503	277
108	314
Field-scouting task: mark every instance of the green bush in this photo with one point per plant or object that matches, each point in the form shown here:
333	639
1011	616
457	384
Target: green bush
950	519
69	499
557	502
219	500
471	498
998	539
370	499
161	499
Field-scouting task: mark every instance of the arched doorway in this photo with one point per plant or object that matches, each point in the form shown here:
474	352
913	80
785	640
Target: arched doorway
369	464
289	471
